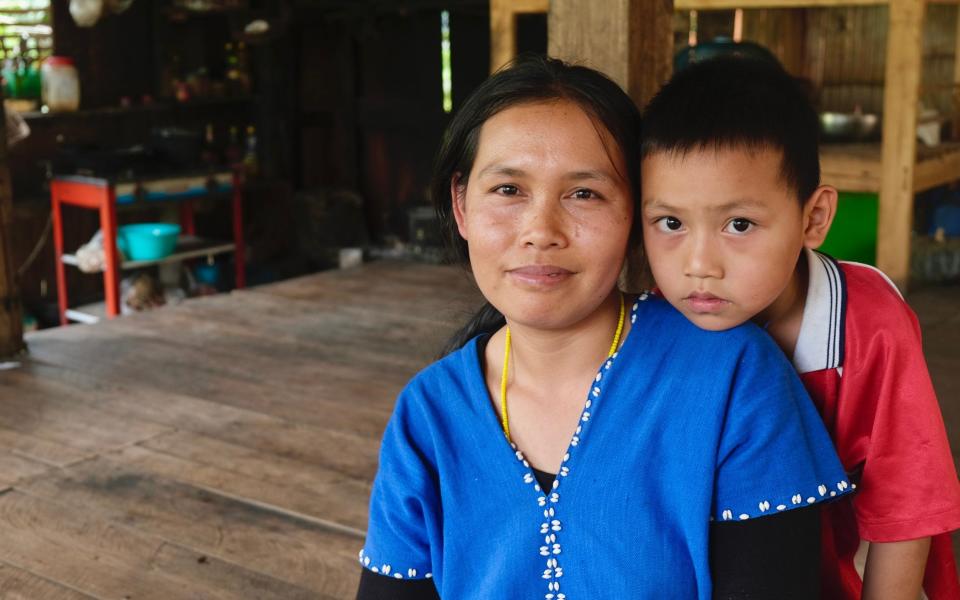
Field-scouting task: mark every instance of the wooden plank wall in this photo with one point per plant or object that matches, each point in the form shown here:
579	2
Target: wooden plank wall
842	51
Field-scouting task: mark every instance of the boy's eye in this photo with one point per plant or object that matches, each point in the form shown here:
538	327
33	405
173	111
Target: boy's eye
669	224
739	225
507	190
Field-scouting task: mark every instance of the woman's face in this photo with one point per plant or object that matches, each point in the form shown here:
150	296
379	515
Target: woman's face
546	213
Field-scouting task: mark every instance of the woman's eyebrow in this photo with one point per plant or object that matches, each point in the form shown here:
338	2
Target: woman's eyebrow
499	169
596	175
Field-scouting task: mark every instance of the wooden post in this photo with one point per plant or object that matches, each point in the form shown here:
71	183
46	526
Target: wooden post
901	90
956	81
629	40
11	321
783	31
503	27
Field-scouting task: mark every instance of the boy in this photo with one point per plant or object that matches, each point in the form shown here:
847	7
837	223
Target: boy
732	211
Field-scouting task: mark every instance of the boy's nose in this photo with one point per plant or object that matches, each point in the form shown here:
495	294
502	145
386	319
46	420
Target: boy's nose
702	260
544	226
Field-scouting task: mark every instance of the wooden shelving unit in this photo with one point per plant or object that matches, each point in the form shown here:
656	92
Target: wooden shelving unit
101	195
859	167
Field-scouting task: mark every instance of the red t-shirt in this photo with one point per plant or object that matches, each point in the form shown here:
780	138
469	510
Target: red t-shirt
860	356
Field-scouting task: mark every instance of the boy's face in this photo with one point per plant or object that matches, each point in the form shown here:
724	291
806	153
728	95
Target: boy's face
722	231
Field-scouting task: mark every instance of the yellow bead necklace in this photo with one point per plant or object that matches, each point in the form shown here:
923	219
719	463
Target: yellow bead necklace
504	420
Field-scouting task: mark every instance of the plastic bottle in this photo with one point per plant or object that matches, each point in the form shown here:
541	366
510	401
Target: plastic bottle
60	84
234	150
209	154
250	160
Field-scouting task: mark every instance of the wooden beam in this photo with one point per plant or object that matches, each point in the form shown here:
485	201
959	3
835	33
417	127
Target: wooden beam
11	320
503	27
903	69
629	40
731	4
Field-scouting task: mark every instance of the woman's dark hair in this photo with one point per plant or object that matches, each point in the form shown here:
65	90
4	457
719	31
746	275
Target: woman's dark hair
528	79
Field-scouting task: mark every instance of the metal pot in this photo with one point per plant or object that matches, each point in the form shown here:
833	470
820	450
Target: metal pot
849	127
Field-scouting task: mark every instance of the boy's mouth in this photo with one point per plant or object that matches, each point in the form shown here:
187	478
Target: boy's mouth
705	302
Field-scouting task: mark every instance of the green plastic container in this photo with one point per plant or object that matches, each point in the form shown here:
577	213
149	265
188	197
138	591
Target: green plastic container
853	235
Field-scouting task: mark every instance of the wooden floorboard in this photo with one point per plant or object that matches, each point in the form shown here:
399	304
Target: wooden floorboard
19	584
108	558
221	448
129	490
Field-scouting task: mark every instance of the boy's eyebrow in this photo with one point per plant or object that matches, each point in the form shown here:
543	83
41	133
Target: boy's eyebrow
726	207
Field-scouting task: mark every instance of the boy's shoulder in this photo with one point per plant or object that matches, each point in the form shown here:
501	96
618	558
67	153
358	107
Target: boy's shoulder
682	330
846	303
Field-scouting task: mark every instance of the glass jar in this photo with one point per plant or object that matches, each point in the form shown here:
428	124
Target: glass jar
60	84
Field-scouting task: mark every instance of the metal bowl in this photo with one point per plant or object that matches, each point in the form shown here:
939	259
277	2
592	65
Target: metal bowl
852	127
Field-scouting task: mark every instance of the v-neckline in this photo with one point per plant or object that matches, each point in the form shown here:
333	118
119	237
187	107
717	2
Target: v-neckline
491	420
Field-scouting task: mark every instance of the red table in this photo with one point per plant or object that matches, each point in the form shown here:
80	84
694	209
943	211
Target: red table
100	194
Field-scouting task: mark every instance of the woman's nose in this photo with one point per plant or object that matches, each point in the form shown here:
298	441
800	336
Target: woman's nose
544	226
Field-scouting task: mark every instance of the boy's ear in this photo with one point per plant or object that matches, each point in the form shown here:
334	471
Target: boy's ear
818	213
458	193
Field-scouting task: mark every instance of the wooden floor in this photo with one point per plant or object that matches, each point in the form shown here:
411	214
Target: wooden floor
224	448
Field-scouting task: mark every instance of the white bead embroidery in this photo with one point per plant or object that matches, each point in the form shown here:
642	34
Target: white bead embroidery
796	499
387	569
552	526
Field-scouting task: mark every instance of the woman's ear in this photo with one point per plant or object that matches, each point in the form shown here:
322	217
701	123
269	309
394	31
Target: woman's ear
458	193
818	213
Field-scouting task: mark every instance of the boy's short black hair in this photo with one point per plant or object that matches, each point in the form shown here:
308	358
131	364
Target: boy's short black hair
737	102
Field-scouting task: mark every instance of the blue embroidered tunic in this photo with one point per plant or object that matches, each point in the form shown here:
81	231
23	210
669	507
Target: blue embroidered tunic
682	426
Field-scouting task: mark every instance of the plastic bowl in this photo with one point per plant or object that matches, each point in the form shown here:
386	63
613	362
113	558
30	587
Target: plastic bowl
147	241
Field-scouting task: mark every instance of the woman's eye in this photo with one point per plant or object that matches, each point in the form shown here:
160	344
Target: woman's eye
585	194
669	224
507	190
739	226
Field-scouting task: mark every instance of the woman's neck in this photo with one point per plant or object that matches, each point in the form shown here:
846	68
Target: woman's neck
554	355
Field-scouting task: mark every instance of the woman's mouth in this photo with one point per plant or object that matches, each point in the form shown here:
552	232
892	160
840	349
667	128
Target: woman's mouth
540	275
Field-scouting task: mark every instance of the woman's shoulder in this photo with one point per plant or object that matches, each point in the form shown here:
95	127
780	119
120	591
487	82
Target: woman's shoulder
445	385
448	370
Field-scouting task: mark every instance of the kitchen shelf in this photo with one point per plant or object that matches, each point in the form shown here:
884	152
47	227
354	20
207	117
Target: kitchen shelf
188	247
101	195
858	167
158	106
